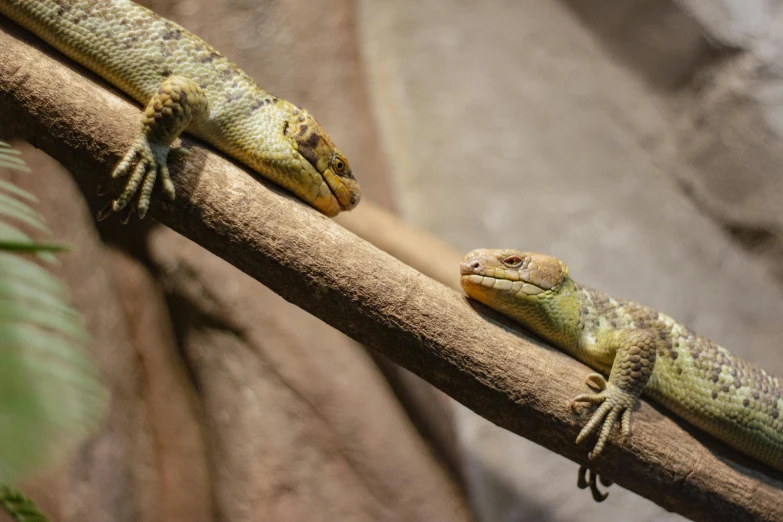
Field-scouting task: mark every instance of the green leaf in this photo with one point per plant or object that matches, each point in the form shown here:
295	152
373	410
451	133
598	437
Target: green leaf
21	508
51	396
22	291
35	222
20	246
62	321
13	239
16	191
12	205
12	163
18	267
5	163
9	159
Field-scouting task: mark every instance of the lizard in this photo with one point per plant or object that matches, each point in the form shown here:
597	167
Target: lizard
641	350
186	85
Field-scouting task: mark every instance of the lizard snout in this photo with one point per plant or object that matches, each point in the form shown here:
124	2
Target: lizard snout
469	267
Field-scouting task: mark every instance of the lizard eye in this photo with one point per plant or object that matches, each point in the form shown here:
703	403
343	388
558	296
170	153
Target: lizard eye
512	261
339	166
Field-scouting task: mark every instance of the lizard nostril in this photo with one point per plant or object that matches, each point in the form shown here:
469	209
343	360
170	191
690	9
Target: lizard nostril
475	264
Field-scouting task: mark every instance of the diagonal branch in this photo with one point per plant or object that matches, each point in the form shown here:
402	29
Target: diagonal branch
460	347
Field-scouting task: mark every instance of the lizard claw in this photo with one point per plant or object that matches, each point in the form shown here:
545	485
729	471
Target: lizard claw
127	216
592	483
143	163
104	212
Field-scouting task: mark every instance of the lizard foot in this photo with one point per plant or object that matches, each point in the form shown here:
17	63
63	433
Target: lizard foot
144	163
592	483
614	404
177	103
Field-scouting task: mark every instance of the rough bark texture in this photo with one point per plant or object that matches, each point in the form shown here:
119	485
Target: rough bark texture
234	422
430	409
316	64
418	323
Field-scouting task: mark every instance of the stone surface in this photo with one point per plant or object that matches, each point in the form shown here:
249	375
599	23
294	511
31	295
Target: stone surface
717	66
300	424
732	127
522	124
182	481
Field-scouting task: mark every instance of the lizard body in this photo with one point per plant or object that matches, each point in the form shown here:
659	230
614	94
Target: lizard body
185	84
640	349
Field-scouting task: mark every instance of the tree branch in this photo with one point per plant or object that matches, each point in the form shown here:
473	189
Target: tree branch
464	349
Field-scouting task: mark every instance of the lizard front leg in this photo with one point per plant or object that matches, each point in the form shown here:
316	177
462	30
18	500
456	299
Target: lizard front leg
632	367
177	103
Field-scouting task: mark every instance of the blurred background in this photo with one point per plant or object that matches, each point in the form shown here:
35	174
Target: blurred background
638	140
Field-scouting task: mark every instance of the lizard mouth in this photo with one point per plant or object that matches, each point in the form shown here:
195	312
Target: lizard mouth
344	190
333	195
327	192
481	275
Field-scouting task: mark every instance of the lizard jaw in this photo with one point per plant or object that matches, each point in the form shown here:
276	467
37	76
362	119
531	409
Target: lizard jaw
333	196
344	191
324	191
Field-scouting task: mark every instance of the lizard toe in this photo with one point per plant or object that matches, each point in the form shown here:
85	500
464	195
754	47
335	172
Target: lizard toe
582	482
596	381
143	164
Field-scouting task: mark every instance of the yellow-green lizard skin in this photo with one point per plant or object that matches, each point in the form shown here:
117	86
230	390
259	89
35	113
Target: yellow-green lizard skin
640	349
187	85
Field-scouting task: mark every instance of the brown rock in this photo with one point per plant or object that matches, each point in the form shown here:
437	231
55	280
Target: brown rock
300	424
181	473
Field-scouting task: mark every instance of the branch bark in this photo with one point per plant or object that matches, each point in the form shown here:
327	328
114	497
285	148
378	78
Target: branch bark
474	355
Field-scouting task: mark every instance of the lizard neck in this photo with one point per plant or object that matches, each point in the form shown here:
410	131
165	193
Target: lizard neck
555	316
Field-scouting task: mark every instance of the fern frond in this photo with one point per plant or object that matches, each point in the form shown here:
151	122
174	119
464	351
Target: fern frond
50	393
9	158
21	508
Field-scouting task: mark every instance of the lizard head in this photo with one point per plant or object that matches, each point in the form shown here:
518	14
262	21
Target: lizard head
504	279
328	183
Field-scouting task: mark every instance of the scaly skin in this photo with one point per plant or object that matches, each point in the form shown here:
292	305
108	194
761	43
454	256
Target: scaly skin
187	85
640	349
